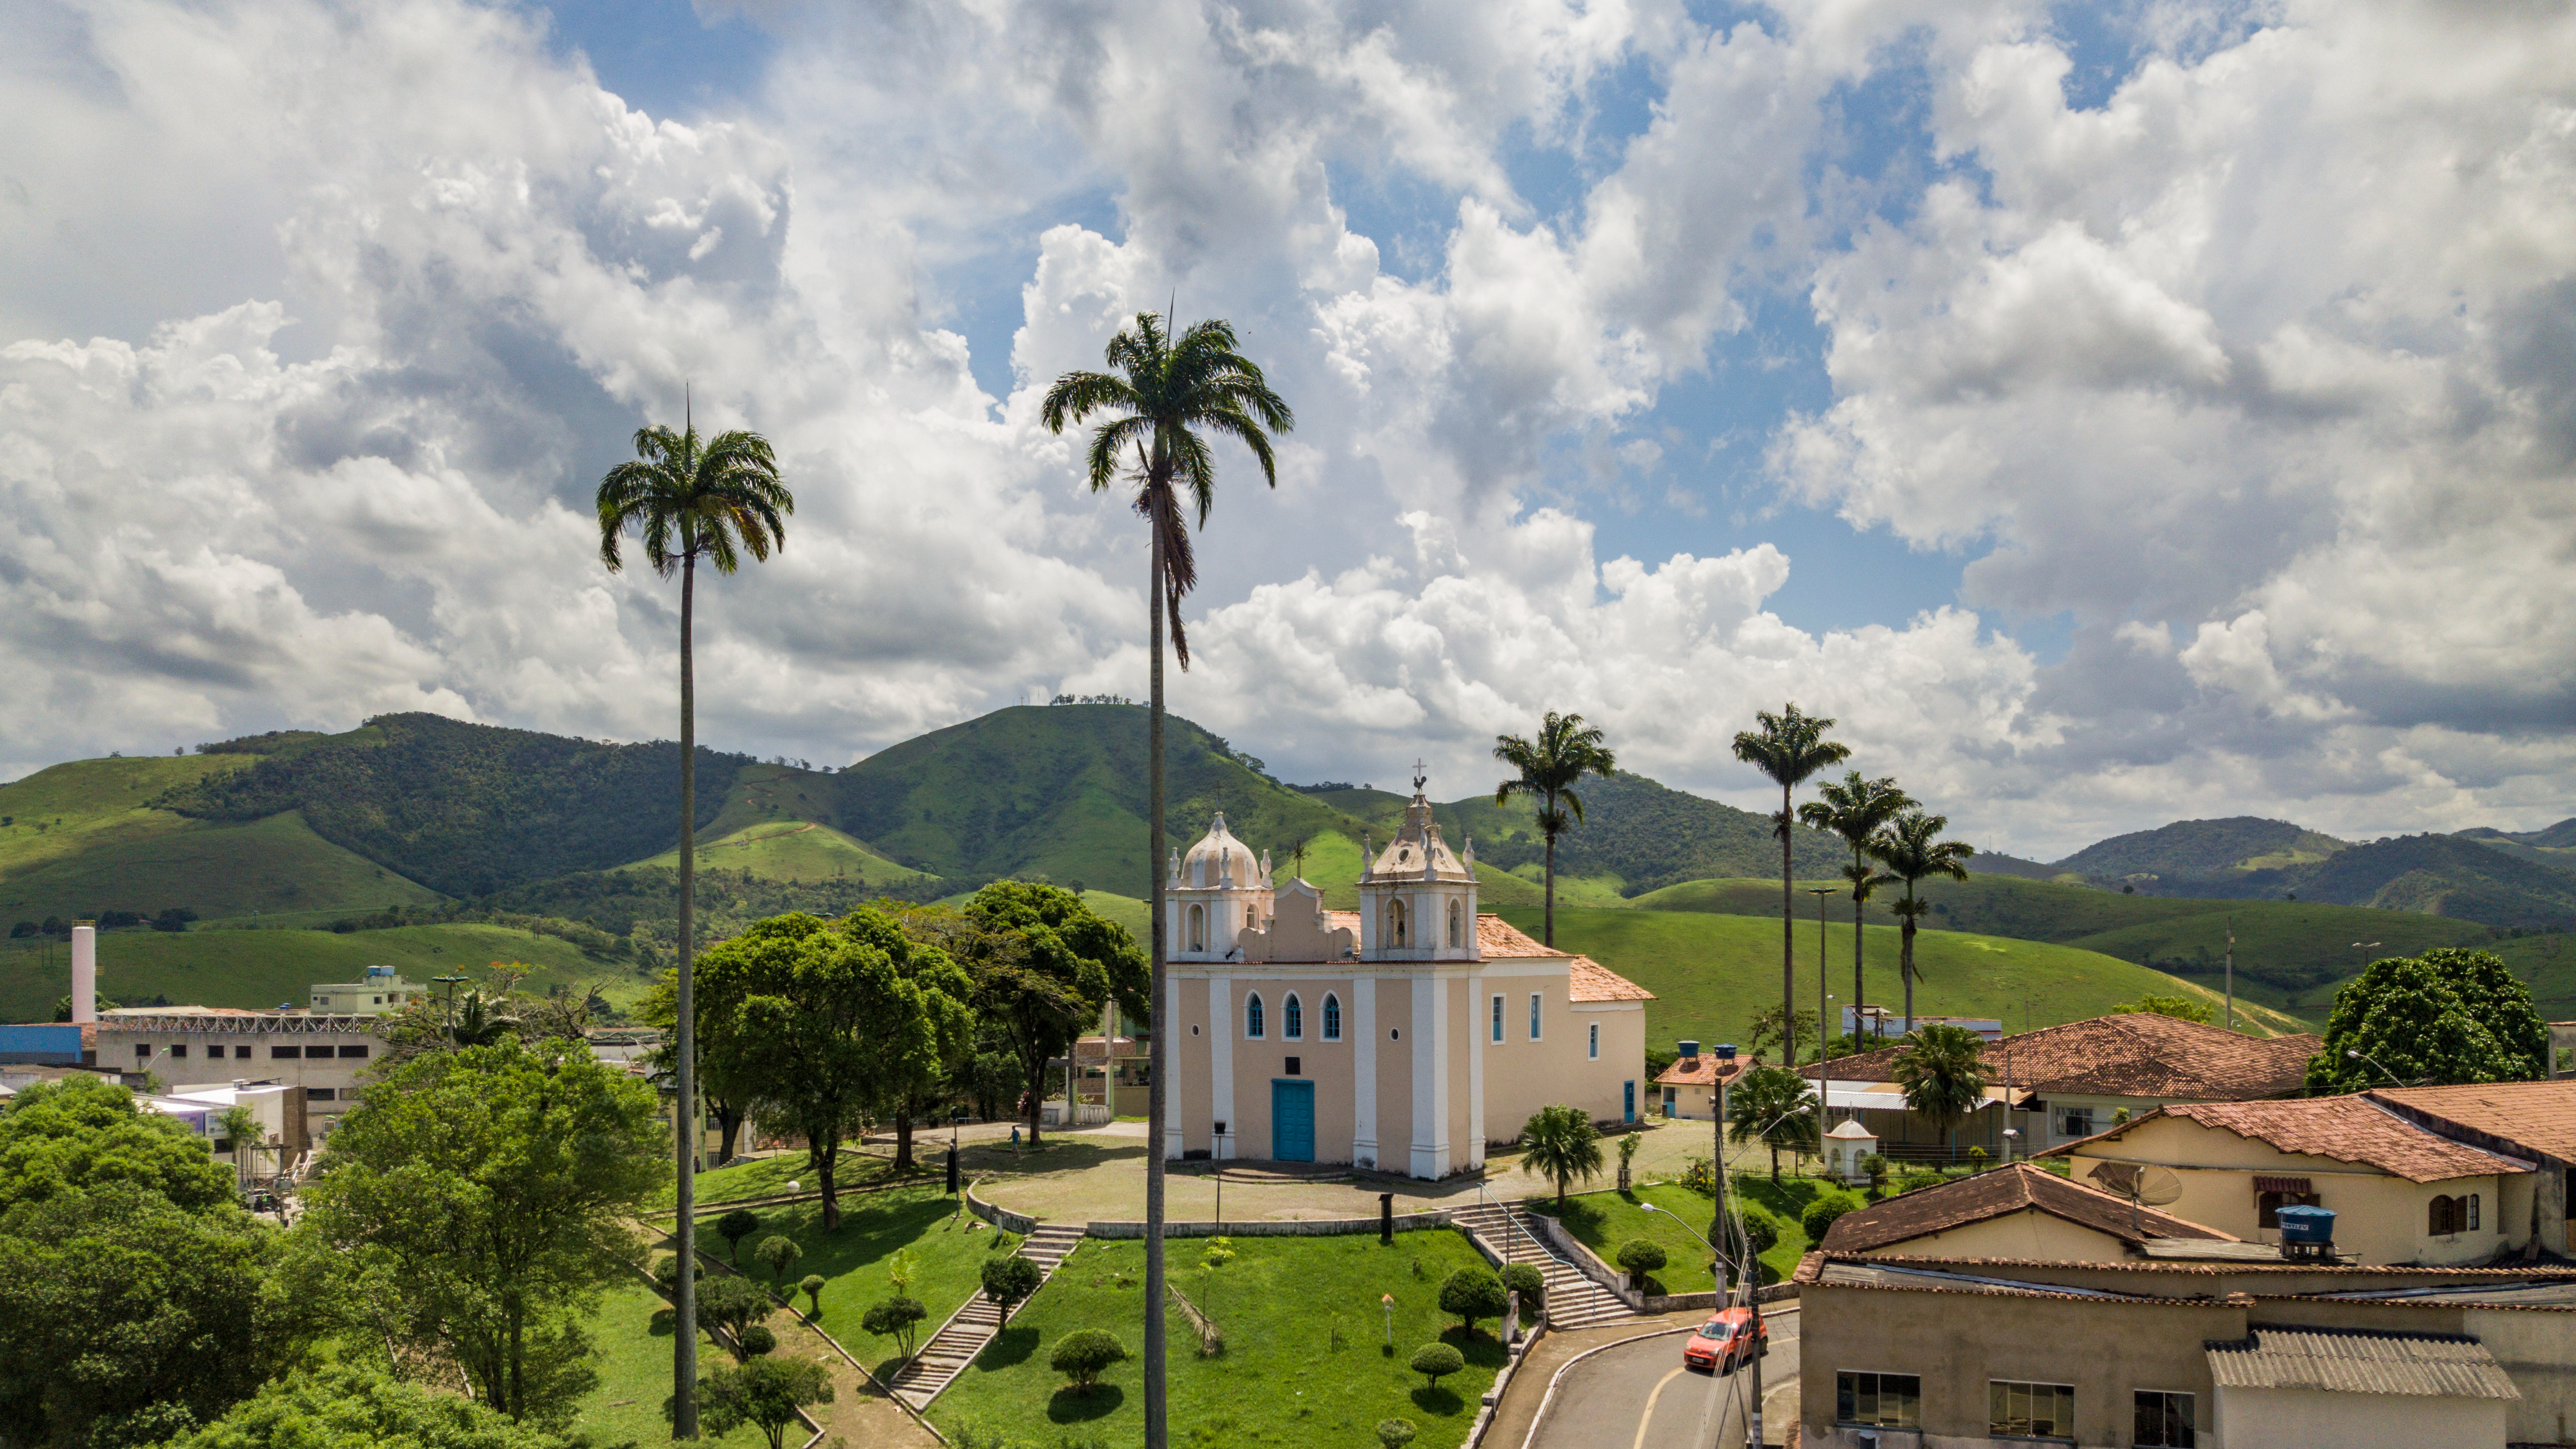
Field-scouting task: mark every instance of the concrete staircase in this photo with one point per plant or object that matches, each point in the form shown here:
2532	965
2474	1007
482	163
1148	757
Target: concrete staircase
966	1332
1573	1300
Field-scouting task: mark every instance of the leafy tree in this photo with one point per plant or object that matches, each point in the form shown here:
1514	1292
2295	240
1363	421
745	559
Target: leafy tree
1821	1214
1436	1361
1009	1278
754	1341
1084	1354
765	1392
735	1226
1526	1280
126	1317
1472	1293
896	1318
2181	1008
718	499
1766	1033
812	1286
1044	964
819	1023
2449	1016
239	1127
1565	751
779	1252
476	1202
1941	1069
1789	747
1561	1145
345	1406
918	1082
1856	808
1761	1232
1775	1106
1640	1256
1166	392
732	1304
902	1266
82	1133
1912	850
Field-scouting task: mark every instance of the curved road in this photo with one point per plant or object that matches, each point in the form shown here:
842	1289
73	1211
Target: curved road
1637	1395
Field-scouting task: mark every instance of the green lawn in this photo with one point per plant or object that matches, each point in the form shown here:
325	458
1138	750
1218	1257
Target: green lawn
950	1247
1711	972
770	1176
633	1335
1302	1363
203	967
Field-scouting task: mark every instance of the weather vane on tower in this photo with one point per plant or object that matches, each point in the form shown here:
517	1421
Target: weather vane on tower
1419	779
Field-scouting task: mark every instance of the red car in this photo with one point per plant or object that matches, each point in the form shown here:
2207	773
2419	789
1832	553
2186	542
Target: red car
1732	1337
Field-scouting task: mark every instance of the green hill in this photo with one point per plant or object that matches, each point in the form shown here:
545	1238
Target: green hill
270	866
264	968
1058	791
468	809
1711	973
65	809
792	850
2201	848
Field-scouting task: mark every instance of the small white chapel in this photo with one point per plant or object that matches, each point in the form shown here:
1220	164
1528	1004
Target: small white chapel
1405	1036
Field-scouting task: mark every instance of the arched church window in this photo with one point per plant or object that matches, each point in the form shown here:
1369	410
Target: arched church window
1332	1017
1252	1014
1457	915
1292	1018
1395	923
1198	928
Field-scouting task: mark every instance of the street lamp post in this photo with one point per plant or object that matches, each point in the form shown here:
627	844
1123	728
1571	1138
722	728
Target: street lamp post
451	981
1824	1058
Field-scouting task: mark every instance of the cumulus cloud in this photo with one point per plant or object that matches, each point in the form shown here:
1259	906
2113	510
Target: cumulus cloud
2257	372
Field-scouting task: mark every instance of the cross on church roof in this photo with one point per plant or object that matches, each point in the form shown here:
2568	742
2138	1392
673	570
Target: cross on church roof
1419	779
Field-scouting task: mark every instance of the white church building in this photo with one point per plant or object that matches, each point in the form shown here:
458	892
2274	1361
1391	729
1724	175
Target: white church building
1405	1036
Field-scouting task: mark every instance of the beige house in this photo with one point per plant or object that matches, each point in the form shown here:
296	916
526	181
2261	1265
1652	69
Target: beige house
383	991
2400	1192
2022	1211
1688	1088
1962	1351
1403	1037
2535	1121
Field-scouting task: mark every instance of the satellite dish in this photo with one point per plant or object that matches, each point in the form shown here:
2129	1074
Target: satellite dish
2158	1186
2142	1185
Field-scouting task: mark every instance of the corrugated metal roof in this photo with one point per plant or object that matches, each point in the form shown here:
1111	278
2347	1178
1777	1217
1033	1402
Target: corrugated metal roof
2343	1362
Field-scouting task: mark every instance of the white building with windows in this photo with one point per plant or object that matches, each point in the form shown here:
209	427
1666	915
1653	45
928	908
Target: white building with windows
1405	1036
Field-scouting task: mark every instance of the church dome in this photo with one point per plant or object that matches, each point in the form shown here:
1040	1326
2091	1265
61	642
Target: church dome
1220	857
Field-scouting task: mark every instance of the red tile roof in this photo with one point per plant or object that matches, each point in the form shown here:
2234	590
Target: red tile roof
1589	980
1701	1071
1499	937
1592	981
2135	1054
2001	1193
2535	1116
2343	1129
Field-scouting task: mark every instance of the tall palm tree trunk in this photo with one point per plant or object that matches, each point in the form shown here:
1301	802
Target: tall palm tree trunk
1860	941
1905	958
684	1290
1157	1425
1789	952
1550	834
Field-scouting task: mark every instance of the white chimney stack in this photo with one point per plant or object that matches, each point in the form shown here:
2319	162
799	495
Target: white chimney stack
84	972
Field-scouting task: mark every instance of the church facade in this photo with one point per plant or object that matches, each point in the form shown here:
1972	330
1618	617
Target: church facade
1403	1037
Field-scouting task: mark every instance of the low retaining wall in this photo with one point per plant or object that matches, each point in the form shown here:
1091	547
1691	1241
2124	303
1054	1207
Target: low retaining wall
1272	1227
999	1216
1591	1265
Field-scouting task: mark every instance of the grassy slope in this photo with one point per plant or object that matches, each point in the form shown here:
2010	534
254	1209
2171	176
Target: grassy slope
65	809
633	1334
1711	973
267	866
793	851
263	968
1282	1380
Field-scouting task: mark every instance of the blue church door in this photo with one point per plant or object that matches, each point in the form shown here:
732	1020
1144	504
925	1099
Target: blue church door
1292	1121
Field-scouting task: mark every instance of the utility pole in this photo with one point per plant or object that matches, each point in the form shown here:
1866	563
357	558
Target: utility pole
2231	972
1749	1274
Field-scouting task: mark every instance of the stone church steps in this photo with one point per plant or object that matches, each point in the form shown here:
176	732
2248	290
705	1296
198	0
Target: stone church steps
964	1335
1573	1299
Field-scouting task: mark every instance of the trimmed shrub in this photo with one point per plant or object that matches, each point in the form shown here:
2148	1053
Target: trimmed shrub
735	1226
1640	1256
1433	1360
1821	1214
895	1318
1084	1354
1394	1433
1526	1280
1008	1280
755	1341
780	1253
812	1288
1472	1293
1917	1181
732	1304
666	1273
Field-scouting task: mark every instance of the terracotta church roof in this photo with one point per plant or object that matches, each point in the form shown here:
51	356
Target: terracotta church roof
1589	979
2001	1193
2132	1054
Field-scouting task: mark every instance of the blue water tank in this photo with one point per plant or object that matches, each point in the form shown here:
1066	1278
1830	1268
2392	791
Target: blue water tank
2305	1226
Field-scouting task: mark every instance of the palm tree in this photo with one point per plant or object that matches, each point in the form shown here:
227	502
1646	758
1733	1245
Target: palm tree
1566	751
1855	808
239	1125
1941	1069
1166	391
1776	1106
1562	1146
1789	747
691	498
1911	850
